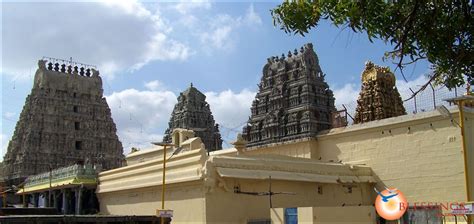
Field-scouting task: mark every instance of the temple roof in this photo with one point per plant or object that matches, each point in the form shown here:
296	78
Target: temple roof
192	112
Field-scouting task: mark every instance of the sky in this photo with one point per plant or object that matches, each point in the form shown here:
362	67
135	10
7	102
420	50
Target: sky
147	53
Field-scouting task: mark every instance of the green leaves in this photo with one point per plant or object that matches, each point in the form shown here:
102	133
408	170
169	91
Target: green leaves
436	30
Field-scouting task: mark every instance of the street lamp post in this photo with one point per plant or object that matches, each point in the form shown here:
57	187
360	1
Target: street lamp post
163	186
50	179
461	102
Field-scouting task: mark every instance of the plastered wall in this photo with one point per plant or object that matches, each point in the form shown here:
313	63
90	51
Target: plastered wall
187	201
419	154
223	206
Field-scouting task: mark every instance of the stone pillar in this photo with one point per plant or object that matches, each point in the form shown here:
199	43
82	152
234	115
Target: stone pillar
25	199
35	199
46	199
55	199
78	195
65	201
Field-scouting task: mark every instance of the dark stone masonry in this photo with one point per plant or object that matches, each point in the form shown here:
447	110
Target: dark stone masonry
65	120
192	112
293	100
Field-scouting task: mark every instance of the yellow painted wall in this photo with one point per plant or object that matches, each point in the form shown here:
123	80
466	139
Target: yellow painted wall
297	148
187	201
337	215
277	215
227	207
418	154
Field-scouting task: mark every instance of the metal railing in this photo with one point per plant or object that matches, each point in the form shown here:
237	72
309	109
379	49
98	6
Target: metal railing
426	100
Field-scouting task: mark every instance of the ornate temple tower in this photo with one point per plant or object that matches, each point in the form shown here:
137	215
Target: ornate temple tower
65	120
379	97
293	100
192	112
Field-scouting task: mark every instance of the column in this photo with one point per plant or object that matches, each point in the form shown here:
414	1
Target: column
55	199
78	194
46	201
35	199
65	201
25	200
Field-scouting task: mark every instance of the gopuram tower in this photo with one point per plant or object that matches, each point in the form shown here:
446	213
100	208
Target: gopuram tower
192	112
293	100
65	120
379	97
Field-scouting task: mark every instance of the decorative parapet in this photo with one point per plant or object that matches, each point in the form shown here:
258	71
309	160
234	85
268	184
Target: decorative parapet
68	67
57	175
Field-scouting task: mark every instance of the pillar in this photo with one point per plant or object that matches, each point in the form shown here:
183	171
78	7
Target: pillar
46	201
35	199
65	201
25	200
78	194
55	199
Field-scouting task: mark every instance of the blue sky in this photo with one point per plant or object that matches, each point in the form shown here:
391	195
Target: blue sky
147	53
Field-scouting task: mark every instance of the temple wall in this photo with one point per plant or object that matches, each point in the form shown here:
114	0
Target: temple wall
223	206
186	200
301	149
136	189
419	154
337	215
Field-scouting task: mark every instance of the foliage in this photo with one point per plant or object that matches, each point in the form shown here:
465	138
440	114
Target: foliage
439	31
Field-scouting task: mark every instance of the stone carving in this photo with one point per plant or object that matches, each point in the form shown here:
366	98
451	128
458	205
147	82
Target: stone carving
192	112
379	97
289	104
65	120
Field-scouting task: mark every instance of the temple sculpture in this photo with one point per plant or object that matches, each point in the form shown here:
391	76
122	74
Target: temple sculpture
192	112
65	121
293	100
379	97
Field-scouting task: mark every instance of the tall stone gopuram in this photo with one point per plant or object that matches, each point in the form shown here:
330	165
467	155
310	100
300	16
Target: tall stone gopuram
192	112
379	97
293	101
65	120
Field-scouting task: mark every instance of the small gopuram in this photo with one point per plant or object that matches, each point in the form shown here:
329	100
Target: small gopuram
65	121
192	112
293	101
379	97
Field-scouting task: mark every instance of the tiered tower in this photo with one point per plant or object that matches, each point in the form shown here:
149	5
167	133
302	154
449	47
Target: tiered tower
192	112
65	120
379	97
293	100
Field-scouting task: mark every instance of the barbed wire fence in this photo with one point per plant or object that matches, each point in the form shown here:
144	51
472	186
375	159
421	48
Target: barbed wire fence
426	100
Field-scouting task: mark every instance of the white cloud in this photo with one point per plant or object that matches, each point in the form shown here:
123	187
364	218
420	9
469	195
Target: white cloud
230	108
9	115
114	35
252	18
141	116
185	7
221	30
404	87
346	95
231	111
153	85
